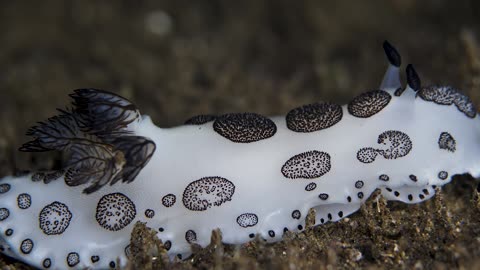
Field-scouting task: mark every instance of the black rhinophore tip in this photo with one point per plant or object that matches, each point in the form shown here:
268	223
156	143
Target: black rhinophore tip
412	78
392	54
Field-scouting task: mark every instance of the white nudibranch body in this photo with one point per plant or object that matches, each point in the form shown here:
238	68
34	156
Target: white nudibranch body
243	173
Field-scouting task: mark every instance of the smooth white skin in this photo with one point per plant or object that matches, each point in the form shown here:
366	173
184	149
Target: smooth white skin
391	79
187	153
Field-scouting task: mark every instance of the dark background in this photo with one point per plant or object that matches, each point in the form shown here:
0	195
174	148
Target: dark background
175	59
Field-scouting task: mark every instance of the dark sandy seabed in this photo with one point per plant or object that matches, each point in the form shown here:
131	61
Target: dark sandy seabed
175	59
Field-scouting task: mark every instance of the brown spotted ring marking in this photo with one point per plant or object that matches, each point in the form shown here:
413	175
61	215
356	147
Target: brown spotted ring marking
446	95
311	164
206	192
115	211
247	220
447	142
395	144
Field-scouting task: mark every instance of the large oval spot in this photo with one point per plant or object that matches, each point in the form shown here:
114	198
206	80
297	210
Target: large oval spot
314	117
311	164
206	192
369	103
244	127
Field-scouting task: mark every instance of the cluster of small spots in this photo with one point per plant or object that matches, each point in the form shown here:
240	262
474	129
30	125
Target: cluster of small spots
55	218
169	200
397	143
311	186
73	259
115	211
367	155
410	197
368	104
9	232
308	165
47	177
149	213
26	246
447	142
323	196
95	258
384	177
47	263
359	184
206	192
443	175
4	188
200	119
314	117
4	214
244	127
24	201
247	220
296	214
446	95
191	236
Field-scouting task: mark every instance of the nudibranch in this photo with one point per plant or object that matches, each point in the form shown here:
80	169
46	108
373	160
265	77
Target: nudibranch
242	173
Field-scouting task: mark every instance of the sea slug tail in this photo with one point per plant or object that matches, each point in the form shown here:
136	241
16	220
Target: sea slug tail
53	227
